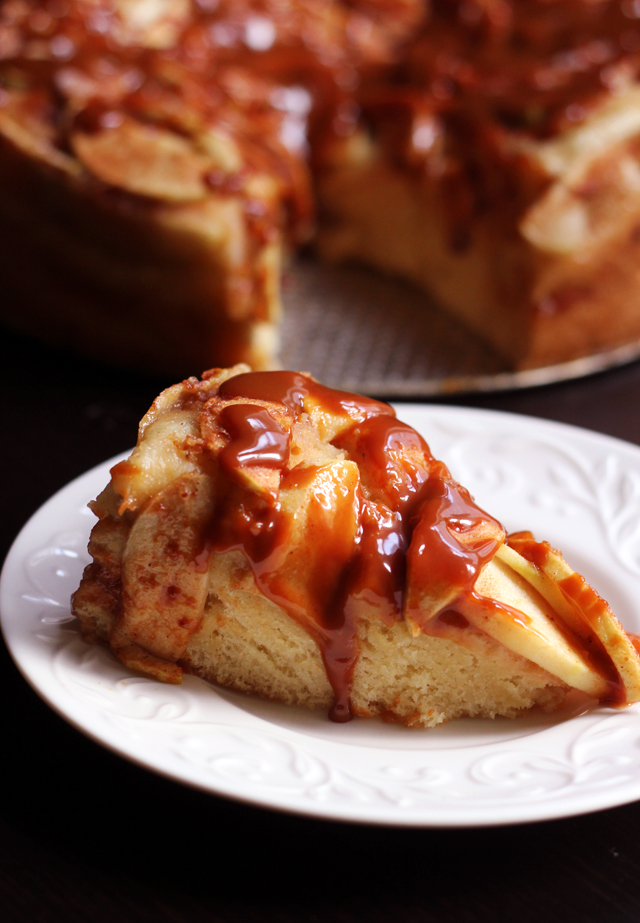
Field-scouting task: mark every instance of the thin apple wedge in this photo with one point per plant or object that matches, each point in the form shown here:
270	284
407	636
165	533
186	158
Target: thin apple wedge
507	607
584	613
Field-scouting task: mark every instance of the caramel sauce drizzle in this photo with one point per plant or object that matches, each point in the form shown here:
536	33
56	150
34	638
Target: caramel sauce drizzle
256	439
522	65
444	87
469	71
406	509
292	389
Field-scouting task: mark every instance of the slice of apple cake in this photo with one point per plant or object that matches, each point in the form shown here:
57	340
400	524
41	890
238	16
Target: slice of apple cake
278	537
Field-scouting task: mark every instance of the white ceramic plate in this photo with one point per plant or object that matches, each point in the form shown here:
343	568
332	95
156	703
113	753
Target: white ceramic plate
579	490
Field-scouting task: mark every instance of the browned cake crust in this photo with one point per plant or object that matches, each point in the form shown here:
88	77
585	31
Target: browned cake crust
280	538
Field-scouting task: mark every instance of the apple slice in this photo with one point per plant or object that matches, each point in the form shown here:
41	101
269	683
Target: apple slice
576	603
507	607
144	160
164	576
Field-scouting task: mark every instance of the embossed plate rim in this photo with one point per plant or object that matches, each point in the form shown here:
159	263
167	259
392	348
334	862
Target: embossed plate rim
573	480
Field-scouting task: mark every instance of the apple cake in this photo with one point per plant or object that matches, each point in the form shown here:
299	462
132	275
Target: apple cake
159	160
278	537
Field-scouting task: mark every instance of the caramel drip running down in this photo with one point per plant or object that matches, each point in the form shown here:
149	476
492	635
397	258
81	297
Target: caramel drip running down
440	557
406	505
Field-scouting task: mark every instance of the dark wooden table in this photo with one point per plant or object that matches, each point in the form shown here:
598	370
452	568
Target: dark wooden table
87	836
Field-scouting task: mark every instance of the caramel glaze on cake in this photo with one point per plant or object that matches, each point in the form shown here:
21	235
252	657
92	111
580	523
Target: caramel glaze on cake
273	535
160	158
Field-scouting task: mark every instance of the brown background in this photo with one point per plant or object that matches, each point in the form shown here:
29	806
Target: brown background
84	835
